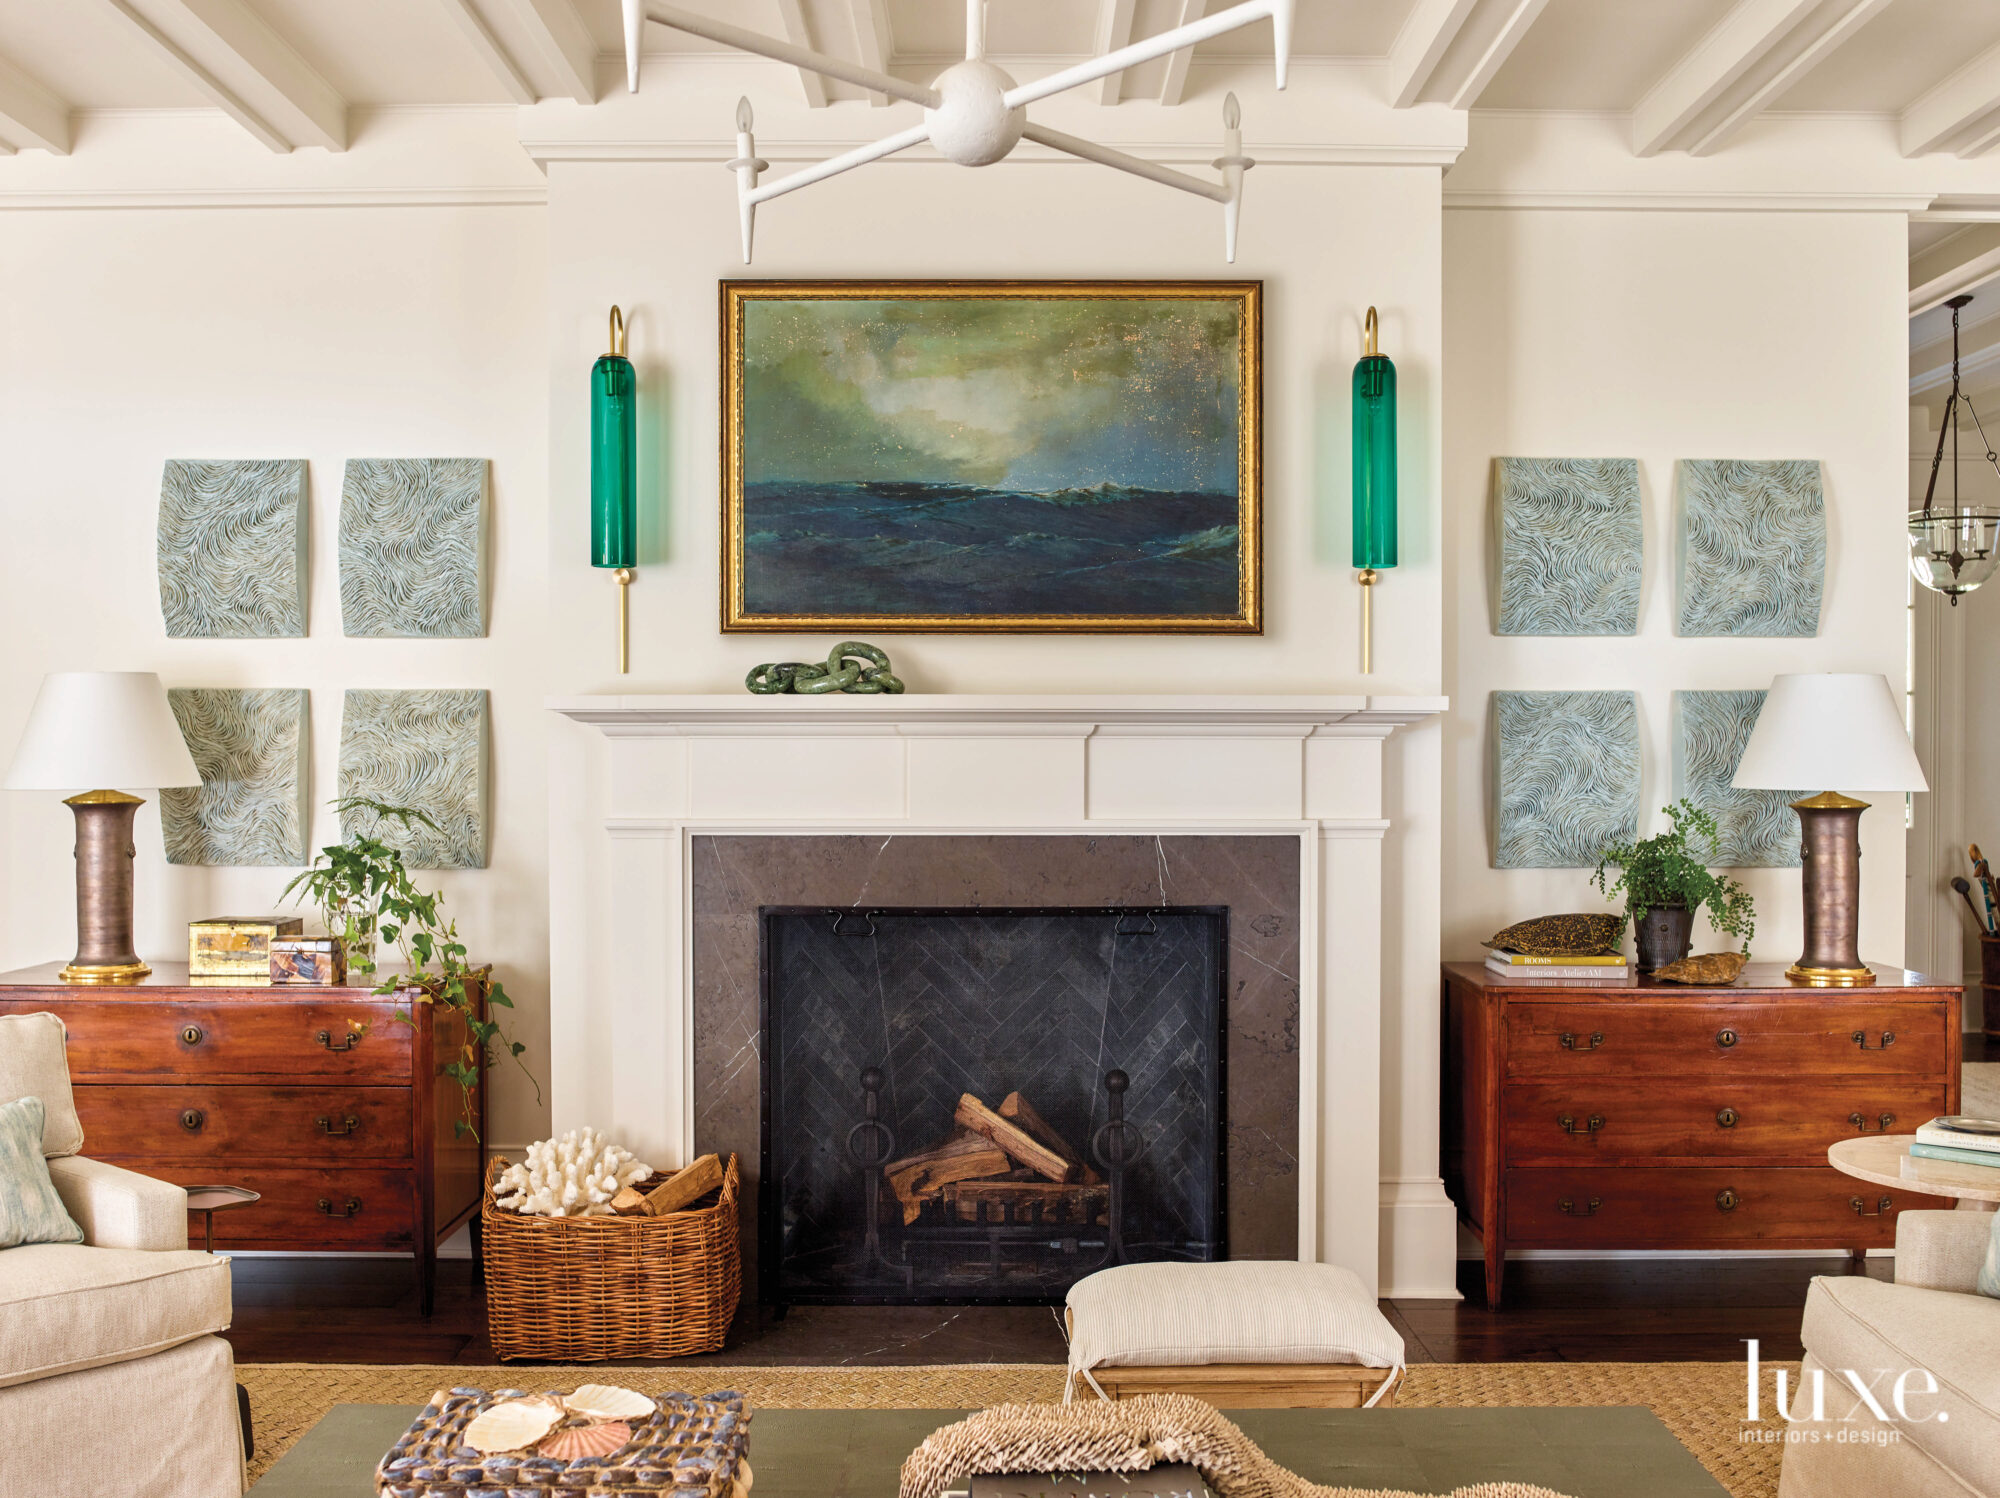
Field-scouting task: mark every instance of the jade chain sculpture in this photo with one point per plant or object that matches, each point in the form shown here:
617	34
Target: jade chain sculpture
850	666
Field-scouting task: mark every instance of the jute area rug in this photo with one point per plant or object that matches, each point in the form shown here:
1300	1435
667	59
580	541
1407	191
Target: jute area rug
1701	1403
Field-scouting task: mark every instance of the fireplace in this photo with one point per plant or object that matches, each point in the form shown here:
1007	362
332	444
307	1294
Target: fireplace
983	1105
675	819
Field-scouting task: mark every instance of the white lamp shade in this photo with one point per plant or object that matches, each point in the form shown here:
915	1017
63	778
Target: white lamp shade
1830	731
101	730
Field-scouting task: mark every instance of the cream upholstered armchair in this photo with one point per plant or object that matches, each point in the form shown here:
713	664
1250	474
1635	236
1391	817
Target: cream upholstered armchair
112	1380
1933	1321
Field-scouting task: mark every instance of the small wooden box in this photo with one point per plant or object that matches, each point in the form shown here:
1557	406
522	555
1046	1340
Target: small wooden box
318	961
237	946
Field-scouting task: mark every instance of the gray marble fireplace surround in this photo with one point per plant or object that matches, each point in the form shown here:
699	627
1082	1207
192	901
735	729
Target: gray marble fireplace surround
1257	877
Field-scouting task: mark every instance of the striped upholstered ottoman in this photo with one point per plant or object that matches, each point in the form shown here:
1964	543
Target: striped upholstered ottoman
1247	1334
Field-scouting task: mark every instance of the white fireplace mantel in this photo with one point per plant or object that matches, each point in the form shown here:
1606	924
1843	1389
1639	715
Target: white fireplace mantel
633	779
746	713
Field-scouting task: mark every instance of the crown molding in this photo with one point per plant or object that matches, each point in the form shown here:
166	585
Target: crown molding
1625	200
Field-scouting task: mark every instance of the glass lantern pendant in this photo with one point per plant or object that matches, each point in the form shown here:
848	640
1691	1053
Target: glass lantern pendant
614	474
1374	479
1954	545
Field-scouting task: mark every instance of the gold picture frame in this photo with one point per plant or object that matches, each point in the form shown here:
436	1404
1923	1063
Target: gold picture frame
990	526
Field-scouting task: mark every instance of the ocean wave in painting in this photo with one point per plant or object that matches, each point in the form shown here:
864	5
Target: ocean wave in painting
927	548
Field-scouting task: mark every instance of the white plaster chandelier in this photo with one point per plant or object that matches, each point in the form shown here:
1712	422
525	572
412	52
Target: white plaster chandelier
974	114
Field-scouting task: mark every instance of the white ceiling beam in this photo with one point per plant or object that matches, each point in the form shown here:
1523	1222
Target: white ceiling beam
1421	44
874	42
1961	261
499	62
1748	59
563	45
793	15
231	55
225	99
1175	83
1449	50
1957	114
29	114
1114	30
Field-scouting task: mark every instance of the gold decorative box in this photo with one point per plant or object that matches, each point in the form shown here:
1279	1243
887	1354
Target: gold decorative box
237	946
317	960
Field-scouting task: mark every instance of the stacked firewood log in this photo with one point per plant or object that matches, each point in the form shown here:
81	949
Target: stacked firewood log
1000	1165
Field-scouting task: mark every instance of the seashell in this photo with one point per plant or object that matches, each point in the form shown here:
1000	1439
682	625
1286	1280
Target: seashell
608	1402
581	1441
511	1426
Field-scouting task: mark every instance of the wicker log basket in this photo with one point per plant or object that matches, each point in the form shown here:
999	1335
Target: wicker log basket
589	1289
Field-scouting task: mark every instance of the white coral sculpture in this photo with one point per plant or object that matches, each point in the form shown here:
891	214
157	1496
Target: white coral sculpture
574	1176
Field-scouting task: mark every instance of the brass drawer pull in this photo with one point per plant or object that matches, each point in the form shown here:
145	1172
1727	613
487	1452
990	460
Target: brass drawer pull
1883	1121
192	1120
1860	1038
191	1035
1568	1041
353	1207
347	1043
1726	1038
1883	1207
1567	1123
1726	1200
1726	1119
347	1125
1570	1209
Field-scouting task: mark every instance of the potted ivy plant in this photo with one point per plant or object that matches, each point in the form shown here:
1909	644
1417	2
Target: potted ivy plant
1665	882
363	890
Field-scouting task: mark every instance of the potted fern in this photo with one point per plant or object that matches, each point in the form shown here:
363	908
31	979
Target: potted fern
363	890
1664	883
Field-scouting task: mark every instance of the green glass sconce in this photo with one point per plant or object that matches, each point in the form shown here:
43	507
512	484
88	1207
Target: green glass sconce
1374	479
614	475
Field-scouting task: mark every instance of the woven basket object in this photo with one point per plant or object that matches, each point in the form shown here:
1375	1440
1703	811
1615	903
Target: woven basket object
1128	1436
588	1289
690	1446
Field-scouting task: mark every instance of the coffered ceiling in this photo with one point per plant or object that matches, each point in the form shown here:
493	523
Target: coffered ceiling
1687	74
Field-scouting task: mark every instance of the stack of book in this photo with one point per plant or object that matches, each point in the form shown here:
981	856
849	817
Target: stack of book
1968	1141
1607	968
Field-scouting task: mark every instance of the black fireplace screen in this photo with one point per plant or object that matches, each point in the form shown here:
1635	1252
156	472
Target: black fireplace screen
965	1105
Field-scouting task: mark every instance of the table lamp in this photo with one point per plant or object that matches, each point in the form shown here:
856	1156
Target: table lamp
102	728
1830	728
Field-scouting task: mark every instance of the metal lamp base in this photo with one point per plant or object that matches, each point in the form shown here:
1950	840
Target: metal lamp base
1830	977
1830	848
104	952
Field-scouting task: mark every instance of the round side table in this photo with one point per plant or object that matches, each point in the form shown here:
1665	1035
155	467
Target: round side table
1885	1160
208	1200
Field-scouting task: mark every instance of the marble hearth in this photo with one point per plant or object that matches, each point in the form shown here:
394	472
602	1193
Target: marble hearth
674	818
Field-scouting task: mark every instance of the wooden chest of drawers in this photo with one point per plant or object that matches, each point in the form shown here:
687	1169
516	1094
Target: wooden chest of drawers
321	1099
1665	1117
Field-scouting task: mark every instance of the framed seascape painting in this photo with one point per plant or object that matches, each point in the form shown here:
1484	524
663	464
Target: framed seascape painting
958	457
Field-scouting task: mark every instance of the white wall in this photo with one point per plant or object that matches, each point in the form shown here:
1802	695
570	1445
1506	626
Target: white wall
1657	336
131	337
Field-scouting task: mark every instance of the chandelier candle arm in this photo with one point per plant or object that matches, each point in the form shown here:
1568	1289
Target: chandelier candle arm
764	46
1206	29
1152	171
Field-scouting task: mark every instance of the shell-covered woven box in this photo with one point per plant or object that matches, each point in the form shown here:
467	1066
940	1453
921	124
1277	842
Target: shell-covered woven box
690	1446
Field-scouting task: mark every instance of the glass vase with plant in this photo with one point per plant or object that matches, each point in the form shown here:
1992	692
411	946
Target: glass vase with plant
363	889
1665	883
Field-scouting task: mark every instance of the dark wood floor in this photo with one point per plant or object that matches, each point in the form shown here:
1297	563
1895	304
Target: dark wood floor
1654	1310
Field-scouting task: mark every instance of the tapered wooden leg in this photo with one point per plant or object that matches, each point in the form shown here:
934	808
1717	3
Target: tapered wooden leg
1496	1269
427	1263
478	1232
